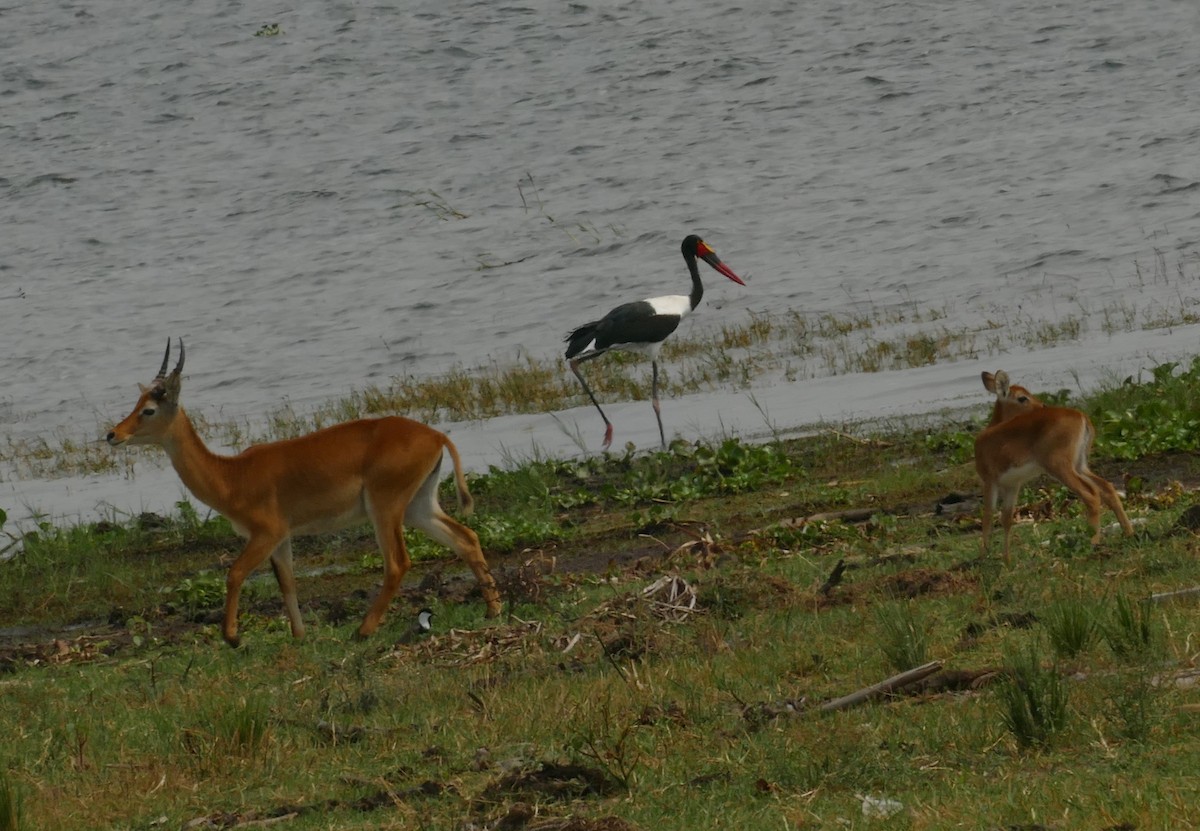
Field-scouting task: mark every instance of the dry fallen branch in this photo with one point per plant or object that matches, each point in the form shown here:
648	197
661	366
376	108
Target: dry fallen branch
701	545
882	688
1161	596
847	515
670	597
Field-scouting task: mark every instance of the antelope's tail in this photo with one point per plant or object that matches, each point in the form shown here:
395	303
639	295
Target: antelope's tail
466	503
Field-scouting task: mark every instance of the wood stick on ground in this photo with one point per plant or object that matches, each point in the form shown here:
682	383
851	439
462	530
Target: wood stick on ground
1158	598
847	515
883	687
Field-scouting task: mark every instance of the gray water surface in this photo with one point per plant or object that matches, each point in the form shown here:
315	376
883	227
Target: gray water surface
333	206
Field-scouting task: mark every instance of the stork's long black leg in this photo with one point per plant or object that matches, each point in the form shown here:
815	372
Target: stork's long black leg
608	428
654	400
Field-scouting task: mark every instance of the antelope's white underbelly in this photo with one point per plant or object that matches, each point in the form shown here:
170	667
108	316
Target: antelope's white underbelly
1018	475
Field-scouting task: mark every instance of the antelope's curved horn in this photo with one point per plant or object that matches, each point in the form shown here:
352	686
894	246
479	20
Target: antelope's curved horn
162	370
179	366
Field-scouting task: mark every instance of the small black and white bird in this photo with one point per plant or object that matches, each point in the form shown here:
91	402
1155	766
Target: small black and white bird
642	327
425	621
422	627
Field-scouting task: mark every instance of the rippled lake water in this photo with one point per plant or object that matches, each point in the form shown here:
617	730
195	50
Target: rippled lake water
388	191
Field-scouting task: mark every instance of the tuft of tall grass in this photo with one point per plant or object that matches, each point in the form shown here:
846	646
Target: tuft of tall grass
905	636
1129	631
607	737
243	726
1134	705
11	804
1071	627
1033	699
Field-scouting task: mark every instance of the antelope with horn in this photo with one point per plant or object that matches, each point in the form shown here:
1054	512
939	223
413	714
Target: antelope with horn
384	470
1026	438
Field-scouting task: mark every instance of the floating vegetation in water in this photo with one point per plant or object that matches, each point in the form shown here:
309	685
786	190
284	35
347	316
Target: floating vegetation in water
786	345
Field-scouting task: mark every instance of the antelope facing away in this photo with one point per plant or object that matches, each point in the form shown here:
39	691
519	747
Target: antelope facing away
1026	438
384	470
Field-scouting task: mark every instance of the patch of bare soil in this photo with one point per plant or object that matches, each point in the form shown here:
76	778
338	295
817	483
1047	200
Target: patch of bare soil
58	650
81	643
550	780
918	582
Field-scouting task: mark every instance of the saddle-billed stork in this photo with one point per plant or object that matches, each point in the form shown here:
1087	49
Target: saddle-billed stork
642	327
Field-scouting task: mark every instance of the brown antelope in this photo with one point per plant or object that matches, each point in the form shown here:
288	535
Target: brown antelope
1026	438
384	470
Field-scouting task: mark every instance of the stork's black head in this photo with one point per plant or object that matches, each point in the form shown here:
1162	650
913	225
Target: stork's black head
690	243
693	247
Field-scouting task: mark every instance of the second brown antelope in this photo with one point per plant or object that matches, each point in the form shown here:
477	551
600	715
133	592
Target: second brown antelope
1026	438
381	469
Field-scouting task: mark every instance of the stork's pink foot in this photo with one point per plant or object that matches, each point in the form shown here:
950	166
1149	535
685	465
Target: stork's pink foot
608	431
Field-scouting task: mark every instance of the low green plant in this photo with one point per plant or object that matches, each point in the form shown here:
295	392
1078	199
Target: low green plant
201	592
607	738
1129	631
819	534
1071	544
1160	415
501	533
905	636
689	472
1134	706
188	517
958	445
1070	626
243	726
8	540
1032	699
11	804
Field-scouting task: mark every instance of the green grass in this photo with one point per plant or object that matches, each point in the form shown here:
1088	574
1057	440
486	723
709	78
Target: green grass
641	707
590	700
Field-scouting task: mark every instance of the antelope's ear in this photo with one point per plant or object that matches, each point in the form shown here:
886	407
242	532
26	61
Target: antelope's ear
143	389
170	388
989	381
1002	383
